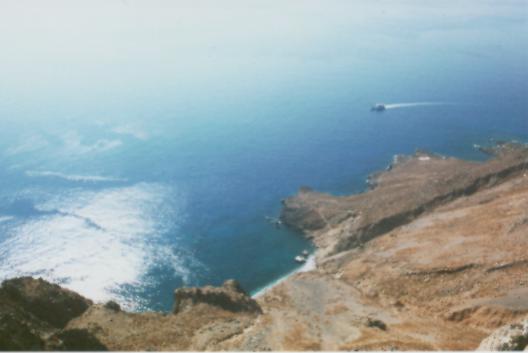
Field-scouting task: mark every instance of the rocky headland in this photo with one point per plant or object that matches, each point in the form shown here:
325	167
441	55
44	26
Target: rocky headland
432	256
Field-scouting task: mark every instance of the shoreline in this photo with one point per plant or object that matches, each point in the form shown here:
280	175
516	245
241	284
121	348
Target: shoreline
324	310
309	265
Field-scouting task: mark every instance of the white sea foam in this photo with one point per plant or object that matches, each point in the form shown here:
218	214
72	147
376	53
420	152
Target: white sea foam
95	242
72	177
5	218
73	144
27	144
309	265
413	104
132	130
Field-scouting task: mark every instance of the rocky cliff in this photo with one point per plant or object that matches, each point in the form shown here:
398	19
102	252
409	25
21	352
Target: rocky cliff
410	186
432	256
34	315
37	315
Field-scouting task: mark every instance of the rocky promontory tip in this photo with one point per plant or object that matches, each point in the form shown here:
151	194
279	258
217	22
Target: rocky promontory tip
410	186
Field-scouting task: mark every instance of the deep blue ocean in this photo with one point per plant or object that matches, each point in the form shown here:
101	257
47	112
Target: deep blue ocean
144	143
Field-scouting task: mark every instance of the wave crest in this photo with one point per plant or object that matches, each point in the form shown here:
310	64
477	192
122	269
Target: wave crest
73	177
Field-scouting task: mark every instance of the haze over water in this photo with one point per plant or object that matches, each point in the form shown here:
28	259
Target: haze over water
143	143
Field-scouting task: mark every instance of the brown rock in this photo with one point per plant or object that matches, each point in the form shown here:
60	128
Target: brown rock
512	337
33	313
413	186
112	305
230	297
48	302
16	333
74	340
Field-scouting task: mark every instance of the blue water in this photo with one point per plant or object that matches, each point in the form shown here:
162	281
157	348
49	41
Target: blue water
143	144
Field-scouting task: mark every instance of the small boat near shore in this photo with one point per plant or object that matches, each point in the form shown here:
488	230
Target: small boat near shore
300	259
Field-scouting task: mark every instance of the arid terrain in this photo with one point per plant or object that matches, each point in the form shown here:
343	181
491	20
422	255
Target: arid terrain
431	257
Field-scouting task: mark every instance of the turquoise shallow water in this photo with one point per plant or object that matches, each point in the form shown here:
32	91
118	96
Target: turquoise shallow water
145	153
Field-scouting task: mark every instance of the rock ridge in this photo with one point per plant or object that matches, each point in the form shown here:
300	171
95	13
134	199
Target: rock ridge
34	314
230	297
408	188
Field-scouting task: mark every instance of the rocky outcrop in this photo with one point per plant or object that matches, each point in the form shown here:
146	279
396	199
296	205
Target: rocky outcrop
48	302
512	337
230	297
74	340
34	312
202	319
17	332
38	315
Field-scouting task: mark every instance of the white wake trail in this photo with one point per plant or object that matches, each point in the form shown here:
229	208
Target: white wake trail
413	104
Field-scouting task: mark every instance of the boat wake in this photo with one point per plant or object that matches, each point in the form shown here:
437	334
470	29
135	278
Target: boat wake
413	104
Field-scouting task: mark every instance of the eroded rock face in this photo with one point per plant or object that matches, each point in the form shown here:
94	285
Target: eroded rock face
513	337
74	340
230	297
17	334
202	319
410	187
33	313
303	211
48	302
38	315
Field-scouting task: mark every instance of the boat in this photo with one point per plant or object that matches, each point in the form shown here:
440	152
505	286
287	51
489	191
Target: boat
300	259
305	253
378	107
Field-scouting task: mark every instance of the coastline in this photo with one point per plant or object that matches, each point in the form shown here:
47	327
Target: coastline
414	288
309	265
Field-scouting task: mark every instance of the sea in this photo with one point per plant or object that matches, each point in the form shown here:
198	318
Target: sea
145	144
